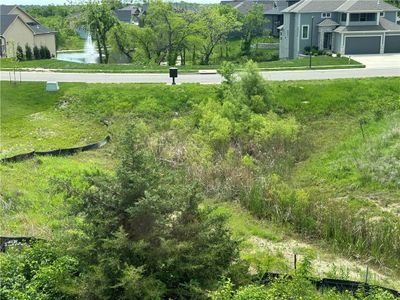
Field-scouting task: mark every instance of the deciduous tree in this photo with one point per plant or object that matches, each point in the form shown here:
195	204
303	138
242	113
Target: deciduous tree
100	19
253	26
171	27
216	23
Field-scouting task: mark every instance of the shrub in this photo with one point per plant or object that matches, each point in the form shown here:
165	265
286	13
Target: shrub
37	272
36	52
43	53
252	84
28	52
47	53
20	54
227	71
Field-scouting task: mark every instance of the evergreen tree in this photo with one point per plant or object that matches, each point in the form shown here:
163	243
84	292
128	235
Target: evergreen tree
42	51
36	52
20	54
145	235
28	52
47	53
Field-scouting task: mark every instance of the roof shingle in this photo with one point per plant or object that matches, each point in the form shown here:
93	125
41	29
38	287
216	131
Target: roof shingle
328	22
5	9
305	6
37	28
6	21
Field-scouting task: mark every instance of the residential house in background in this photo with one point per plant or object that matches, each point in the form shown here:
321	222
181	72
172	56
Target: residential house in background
18	28
131	14
272	10
340	26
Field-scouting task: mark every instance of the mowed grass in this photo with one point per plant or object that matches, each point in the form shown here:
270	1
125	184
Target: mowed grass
30	205
33	119
65	66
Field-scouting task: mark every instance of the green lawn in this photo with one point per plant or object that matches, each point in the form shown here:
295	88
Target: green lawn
32	119
317	62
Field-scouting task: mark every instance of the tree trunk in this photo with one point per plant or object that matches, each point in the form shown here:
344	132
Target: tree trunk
172	55
105	53
183	57
122	49
148	52
99	49
206	58
194	56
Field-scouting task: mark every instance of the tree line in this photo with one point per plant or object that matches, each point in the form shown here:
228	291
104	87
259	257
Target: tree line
36	53
169	32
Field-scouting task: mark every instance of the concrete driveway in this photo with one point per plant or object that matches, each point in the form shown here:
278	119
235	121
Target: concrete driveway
378	61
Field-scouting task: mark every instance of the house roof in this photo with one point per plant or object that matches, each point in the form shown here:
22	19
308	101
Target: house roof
123	15
6	21
277	9
5	9
327	22
384	25
315	6
38	29
270	7
365	5
305	6
133	9
359	28
388	25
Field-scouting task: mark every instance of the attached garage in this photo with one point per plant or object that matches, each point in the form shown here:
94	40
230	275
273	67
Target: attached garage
363	45
392	44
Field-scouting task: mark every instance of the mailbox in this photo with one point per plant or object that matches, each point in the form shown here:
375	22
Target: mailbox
173	73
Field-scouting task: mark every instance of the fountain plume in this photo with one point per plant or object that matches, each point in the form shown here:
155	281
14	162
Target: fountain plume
90	52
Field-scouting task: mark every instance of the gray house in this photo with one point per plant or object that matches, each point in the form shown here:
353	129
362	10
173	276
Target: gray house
272	10
340	26
131	14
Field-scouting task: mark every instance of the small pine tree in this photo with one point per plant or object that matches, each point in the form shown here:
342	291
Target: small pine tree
20	53
28	52
42	52
47	52
36	53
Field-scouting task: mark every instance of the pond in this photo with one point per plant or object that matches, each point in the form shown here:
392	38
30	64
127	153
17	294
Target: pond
88	56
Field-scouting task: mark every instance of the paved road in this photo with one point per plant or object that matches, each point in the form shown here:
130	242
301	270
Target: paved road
200	78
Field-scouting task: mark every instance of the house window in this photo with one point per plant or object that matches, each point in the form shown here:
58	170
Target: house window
344	17
382	13
363	17
325	15
304	32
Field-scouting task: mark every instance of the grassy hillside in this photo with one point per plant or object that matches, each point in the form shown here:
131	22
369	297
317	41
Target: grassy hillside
333	191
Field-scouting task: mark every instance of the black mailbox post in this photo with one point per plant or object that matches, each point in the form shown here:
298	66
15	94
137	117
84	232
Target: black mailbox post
173	73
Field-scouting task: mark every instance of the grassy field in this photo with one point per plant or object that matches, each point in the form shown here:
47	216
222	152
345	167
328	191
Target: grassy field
41	124
64	66
350	170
